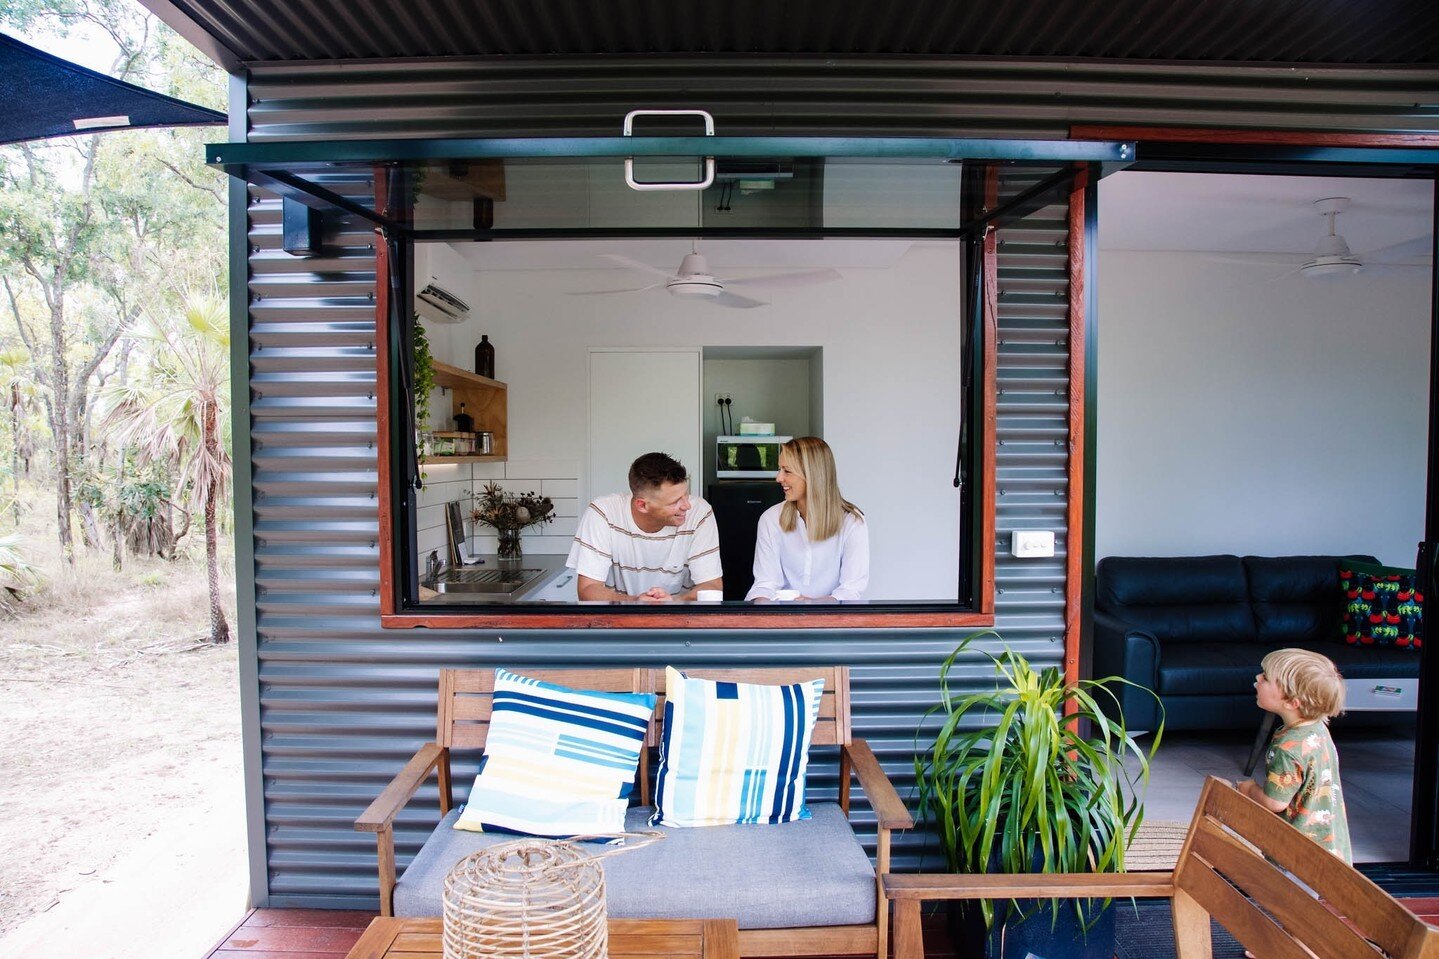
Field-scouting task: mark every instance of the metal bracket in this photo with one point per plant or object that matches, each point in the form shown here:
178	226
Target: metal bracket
658	185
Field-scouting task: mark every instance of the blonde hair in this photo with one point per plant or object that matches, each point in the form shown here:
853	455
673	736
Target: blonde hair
1311	680
824	507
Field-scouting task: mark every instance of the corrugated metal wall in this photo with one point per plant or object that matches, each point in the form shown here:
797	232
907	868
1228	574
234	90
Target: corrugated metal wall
343	703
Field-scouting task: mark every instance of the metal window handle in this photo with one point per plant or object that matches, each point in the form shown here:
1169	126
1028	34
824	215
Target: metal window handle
657	185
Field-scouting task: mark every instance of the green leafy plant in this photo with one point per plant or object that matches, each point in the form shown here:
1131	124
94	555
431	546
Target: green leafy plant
1012	786
18	576
424	362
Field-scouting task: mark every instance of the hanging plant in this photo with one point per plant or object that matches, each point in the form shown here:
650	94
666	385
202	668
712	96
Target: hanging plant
424	363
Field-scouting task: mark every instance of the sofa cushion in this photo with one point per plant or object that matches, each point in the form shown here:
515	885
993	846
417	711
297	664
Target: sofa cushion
1383	606
808	873
1183	599
1229	668
1296	598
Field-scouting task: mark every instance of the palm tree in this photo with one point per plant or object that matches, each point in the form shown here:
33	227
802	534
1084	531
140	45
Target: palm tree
179	416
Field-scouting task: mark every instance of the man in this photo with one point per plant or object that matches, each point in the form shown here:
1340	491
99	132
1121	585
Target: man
656	545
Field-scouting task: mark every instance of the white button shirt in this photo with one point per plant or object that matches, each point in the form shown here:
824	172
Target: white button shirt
838	566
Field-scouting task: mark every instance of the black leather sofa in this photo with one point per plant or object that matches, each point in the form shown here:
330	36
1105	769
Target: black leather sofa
1194	629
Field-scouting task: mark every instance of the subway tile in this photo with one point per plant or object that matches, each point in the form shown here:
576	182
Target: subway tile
542	469
566	506
562	487
482	472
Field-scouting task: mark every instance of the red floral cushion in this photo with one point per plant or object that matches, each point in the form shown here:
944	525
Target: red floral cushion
1381	608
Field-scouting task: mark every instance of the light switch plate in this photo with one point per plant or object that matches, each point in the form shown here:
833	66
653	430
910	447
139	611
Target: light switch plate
1032	543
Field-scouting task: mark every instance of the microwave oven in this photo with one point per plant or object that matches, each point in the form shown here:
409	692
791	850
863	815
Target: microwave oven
747	457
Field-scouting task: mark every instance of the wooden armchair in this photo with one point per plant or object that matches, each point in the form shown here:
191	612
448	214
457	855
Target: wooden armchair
1223	872
464	707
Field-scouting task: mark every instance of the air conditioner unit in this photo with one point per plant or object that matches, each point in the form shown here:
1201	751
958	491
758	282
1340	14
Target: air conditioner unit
440	305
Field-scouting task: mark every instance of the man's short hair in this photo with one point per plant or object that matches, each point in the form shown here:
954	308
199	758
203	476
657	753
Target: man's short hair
1308	678
653	470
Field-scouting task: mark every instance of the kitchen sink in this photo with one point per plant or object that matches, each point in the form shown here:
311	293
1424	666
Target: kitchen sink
491	581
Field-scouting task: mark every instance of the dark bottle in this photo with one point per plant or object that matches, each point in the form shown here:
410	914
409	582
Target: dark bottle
464	422
485	357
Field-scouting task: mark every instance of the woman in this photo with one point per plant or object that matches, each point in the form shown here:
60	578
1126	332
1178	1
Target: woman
815	541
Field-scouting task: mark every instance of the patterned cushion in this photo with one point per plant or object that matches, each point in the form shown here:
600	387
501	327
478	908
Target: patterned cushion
558	761
1381	606
734	752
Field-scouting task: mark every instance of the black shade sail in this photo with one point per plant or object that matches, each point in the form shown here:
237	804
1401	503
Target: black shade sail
44	96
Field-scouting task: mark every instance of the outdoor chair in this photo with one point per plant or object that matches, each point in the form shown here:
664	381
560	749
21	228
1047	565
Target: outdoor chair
1226	871
797	889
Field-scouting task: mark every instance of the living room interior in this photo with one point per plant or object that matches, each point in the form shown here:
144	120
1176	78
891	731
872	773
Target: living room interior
1260	397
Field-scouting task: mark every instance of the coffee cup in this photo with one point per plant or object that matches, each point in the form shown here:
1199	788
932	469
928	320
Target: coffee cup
709	595
786	595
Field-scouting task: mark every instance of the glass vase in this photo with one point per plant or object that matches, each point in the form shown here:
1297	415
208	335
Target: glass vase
509	543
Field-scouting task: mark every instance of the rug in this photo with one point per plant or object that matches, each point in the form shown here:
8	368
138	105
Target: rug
1156	847
1147	932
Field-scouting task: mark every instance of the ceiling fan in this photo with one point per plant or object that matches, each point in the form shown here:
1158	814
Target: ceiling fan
693	280
1332	256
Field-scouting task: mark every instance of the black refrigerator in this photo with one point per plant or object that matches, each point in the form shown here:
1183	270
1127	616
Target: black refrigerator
737	505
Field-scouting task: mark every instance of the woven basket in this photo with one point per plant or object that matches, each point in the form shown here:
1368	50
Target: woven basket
529	899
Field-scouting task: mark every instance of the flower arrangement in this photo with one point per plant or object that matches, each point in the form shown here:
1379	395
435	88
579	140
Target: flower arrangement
509	513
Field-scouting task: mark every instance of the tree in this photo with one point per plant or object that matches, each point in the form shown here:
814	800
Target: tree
179	416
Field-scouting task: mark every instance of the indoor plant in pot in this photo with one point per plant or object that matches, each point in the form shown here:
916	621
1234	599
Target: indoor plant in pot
1030	777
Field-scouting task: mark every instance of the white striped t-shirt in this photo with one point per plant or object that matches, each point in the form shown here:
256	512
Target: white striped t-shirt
609	547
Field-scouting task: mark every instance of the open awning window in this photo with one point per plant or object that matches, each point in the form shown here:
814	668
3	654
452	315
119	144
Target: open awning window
656	186
44	96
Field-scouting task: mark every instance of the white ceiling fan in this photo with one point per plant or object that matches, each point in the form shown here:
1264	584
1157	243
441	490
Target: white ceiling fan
693	280
1332	257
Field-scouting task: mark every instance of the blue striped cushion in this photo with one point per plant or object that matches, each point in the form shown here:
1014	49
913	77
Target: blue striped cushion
558	761
734	752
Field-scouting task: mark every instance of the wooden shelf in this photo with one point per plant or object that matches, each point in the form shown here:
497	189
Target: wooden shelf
467	458
452	377
487	403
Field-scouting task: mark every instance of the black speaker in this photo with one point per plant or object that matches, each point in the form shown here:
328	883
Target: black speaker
737	505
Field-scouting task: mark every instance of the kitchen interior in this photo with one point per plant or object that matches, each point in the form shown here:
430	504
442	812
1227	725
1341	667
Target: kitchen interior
594	357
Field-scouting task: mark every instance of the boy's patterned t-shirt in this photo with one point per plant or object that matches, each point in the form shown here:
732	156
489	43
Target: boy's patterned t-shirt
1303	770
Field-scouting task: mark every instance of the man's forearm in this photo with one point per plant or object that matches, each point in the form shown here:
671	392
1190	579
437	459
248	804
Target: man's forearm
594	591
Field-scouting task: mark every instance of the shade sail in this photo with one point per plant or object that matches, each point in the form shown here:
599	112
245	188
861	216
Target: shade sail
44	96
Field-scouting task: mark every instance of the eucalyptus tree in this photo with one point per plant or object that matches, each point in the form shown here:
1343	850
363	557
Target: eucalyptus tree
178	416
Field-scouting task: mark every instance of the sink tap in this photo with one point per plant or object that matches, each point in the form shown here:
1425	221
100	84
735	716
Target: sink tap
432	566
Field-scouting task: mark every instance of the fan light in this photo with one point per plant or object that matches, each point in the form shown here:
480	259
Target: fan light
1331	255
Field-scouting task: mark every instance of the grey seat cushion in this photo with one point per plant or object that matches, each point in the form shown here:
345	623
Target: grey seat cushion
809	873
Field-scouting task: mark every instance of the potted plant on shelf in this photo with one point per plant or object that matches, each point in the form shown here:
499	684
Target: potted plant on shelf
508	513
1013	783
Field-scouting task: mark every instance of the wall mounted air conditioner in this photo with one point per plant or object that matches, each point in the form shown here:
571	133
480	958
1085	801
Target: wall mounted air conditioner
439	305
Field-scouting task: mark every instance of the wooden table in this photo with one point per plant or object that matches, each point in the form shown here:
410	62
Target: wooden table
392	938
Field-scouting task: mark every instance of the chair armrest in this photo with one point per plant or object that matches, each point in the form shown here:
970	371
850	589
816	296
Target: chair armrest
888	808
1123	649
387	805
1067	885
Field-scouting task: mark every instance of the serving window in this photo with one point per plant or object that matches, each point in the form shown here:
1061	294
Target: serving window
830	296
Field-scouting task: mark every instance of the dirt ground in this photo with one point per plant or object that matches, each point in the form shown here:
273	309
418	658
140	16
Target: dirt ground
116	720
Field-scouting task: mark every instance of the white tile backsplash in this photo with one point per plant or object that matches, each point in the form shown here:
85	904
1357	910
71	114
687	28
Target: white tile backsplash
561	487
554	478
542	469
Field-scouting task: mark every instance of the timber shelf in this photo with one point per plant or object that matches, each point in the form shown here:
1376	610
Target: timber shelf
486	401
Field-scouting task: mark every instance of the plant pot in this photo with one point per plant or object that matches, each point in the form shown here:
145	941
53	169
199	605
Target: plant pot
509	544
1036	936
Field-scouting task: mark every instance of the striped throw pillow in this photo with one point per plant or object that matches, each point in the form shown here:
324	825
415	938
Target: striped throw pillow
558	761
734	752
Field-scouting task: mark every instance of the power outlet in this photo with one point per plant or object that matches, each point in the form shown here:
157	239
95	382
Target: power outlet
1032	543
722	398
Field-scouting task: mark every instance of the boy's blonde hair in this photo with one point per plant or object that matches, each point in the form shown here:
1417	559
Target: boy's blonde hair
1311	680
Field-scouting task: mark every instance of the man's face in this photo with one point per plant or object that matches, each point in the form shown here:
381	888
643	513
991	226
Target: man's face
668	505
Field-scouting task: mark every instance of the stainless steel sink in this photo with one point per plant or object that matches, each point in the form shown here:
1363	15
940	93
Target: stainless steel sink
492	580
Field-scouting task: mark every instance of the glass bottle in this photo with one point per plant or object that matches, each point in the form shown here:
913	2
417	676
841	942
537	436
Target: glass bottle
464	422
485	357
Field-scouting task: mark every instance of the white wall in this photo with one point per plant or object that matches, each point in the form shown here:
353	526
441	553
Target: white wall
890	392
1243	414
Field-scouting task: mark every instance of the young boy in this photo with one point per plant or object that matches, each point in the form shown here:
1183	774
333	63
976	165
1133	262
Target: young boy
1301	782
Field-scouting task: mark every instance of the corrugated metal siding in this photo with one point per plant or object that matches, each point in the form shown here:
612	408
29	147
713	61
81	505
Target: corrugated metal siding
1277	31
830	96
343	703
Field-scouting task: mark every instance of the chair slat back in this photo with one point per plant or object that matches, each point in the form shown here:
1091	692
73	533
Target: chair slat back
1228	866
467	698
830	729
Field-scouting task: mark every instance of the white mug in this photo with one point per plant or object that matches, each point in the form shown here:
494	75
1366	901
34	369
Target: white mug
709	595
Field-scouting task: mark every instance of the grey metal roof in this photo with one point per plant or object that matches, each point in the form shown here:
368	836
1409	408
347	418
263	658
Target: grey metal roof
1373	32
